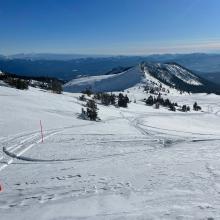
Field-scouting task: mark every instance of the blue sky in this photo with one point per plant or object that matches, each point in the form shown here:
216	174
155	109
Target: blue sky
109	26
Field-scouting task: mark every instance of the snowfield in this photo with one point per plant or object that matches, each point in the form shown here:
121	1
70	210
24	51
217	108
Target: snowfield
136	163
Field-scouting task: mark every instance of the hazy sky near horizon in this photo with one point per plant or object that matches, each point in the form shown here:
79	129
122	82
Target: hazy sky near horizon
109	26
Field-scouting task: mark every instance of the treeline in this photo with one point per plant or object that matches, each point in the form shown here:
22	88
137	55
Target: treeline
23	82
172	106
15	82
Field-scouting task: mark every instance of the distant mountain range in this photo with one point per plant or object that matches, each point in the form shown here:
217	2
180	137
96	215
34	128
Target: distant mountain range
49	56
70	66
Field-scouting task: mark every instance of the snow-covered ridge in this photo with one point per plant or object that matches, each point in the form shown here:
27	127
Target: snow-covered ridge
106	83
171	75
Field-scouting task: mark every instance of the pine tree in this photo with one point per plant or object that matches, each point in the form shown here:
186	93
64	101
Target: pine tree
150	100
105	99
167	103
184	108
91	110
112	98
56	86
21	84
82	97
172	107
123	100
196	107
126	99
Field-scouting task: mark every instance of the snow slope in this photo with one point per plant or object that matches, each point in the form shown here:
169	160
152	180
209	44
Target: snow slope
183	74
136	163
114	82
172	74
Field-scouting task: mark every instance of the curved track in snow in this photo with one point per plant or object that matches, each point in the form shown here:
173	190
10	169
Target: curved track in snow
15	146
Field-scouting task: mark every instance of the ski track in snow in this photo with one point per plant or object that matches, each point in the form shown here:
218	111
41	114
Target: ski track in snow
25	143
21	148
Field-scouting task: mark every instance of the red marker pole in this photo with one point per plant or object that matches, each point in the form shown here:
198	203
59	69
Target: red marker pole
41	130
1	188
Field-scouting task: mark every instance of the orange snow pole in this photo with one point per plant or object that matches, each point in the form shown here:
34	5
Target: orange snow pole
1	188
41	130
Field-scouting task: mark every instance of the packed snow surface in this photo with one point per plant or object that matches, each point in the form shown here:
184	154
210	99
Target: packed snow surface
136	163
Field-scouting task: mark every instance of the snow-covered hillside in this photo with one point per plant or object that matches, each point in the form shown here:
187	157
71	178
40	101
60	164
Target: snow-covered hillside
183	74
106	83
136	163
170	72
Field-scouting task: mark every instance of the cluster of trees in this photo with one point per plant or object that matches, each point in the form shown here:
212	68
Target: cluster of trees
53	85
23	82
17	83
91	111
160	101
185	108
172	106
110	99
105	98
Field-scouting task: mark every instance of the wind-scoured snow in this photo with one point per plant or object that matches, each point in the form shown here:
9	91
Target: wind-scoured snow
136	163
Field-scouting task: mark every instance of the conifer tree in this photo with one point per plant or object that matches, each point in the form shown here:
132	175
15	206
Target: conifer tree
91	110
150	100
56	86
